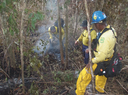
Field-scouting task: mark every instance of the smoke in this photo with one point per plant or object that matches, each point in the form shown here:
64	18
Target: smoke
43	46
51	47
40	47
51	7
42	42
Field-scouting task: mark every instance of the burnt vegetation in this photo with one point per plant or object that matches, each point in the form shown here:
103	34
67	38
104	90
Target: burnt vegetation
23	23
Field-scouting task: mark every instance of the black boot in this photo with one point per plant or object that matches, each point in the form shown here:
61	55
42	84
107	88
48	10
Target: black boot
72	92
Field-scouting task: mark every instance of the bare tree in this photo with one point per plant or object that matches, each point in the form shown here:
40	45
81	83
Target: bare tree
60	36
76	18
21	43
89	35
66	44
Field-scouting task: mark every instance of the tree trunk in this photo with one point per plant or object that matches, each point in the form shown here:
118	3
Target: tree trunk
89	35
21	44
66	43
60	36
76	17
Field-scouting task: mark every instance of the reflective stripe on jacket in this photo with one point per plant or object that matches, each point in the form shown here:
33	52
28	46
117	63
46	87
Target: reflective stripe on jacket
56	33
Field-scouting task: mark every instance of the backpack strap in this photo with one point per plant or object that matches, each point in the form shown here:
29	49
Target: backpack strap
96	41
106	29
115	37
83	35
91	30
113	32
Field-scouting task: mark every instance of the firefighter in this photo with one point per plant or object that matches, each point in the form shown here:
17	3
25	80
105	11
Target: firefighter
84	39
54	35
54	30
104	51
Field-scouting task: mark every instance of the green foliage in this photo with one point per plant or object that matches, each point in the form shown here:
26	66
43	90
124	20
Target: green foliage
9	12
51	18
2	5
34	89
13	24
33	18
57	76
67	2
35	63
66	76
9	8
126	9
69	77
45	91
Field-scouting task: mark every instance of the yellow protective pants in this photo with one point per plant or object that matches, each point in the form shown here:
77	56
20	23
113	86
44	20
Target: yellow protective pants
85	78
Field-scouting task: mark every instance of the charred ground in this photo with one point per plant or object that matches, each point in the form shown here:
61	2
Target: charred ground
52	79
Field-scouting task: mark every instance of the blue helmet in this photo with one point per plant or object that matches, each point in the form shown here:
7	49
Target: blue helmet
98	16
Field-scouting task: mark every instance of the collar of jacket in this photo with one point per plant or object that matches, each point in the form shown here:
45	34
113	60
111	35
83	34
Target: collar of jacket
108	26
52	32
87	29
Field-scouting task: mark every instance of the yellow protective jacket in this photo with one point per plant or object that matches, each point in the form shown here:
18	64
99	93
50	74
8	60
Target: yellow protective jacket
84	36
56	33
105	48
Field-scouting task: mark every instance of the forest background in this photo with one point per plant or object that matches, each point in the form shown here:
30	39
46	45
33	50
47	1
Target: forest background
19	23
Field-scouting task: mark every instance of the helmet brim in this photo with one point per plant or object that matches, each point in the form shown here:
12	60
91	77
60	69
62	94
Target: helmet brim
93	22
83	25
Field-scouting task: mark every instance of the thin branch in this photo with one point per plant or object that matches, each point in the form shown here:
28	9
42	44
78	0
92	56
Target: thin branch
89	35
4	72
54	82
64	93
122	86
126	67
7	50
66	42
76	17
60	35
116	19
21	44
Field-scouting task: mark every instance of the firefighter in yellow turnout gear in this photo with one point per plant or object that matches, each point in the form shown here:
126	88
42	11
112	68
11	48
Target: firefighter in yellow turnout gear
54	38
54	30
84	39
104	51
